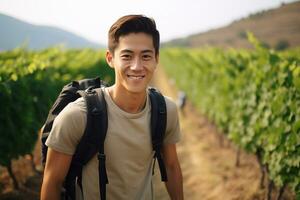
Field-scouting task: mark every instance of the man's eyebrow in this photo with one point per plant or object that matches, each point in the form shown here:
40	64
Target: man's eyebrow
126	51
143	51
148	51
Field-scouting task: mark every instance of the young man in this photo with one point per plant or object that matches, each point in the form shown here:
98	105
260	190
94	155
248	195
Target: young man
133	53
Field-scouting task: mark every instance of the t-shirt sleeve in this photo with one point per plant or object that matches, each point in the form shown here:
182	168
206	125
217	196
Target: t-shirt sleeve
68	128
173	134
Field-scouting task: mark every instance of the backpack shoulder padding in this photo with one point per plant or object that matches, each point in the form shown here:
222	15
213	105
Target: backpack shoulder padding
96	126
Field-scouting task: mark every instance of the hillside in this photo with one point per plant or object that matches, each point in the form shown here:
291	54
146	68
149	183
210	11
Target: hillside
277	28
15	32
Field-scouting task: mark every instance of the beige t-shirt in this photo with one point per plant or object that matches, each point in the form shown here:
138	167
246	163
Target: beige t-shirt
128	148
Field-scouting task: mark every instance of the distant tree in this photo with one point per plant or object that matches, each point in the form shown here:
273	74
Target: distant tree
242	34
282	45
265	44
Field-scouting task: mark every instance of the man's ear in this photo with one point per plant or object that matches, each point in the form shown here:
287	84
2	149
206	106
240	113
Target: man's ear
109	58
157	58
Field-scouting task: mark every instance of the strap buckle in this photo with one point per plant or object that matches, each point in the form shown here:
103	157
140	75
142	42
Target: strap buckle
101	156
90	90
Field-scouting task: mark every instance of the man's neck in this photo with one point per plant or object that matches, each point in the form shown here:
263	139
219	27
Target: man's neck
128	101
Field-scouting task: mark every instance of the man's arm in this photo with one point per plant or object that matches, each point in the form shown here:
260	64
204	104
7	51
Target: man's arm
174	184
56	169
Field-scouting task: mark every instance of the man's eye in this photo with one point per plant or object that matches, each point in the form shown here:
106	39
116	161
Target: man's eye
147	57
126	57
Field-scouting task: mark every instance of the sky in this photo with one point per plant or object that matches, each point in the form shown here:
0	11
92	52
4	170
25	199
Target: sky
174	18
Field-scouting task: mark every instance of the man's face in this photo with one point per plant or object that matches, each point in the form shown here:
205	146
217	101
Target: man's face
134	62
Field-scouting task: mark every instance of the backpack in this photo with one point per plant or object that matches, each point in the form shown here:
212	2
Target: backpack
92	141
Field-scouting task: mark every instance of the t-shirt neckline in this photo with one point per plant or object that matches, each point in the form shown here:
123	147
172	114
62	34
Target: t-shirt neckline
118	110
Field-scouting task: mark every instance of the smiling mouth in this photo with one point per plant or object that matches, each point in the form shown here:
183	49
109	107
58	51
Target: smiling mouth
135	77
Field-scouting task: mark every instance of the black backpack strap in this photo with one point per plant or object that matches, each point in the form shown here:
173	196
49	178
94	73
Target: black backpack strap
91	142
158	127
103	179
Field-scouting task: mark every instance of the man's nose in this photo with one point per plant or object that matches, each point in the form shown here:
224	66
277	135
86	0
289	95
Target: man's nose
137	64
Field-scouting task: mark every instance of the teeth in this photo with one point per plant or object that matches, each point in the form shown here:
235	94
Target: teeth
135	77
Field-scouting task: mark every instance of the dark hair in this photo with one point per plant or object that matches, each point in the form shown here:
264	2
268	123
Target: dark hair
132	24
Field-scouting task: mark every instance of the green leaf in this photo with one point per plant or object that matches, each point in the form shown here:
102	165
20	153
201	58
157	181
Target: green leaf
14	77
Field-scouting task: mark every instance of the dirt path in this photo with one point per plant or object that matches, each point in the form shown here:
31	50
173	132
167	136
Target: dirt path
208	169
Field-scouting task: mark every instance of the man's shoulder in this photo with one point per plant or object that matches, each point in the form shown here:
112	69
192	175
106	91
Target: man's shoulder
172	129
170	103
79	104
